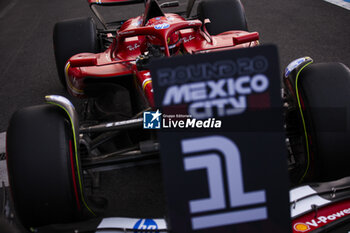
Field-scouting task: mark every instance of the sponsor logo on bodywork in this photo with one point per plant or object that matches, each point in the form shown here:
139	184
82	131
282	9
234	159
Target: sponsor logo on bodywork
162	26
301	227
145	224
133	47
320	221
188	39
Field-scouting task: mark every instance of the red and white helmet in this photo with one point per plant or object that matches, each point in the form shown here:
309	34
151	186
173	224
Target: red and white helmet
173	40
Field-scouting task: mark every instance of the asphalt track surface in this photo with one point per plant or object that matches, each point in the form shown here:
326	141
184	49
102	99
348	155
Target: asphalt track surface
28	72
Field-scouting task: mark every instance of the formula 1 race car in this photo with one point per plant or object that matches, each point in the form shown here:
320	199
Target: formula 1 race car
109	69
127	51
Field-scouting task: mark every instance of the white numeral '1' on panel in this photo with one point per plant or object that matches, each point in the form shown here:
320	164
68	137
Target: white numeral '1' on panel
216	200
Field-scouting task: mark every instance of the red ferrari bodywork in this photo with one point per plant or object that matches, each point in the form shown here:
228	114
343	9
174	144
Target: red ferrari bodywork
324	216
119	60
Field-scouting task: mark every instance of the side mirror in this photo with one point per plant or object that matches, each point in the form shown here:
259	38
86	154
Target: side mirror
241	39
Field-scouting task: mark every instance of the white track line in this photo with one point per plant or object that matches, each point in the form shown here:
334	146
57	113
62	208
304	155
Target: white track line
341	3
2	142
3	166
3	173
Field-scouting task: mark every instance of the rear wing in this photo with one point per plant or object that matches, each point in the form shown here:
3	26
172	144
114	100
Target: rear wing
114	2
94	3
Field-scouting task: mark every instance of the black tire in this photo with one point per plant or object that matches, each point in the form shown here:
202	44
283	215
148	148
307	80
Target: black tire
71	37
225	15
41	167
8	227
325	91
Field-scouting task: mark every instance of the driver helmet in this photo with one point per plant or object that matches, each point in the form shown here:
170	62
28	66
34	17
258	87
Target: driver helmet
174	41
